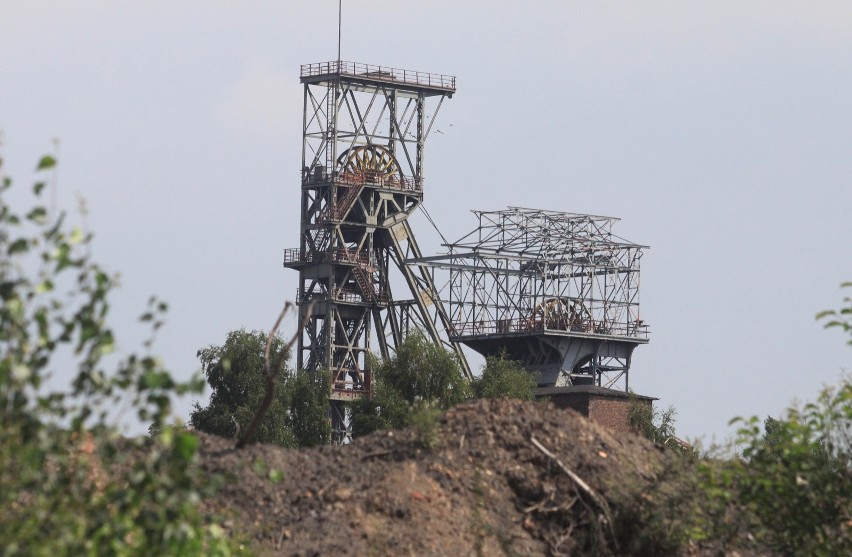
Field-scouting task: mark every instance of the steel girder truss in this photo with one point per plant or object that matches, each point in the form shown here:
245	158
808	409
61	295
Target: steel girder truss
546	274
362	176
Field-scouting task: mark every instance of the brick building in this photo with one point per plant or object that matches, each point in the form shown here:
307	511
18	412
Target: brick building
608	407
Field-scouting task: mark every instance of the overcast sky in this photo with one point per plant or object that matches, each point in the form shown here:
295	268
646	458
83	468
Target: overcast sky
719	132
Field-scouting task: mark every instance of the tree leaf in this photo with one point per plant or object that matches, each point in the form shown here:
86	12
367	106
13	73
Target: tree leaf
20	245
46	162
185	445
38	215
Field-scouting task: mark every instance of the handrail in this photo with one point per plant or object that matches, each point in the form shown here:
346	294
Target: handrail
380	73
538	324
296	255
362	178
342	295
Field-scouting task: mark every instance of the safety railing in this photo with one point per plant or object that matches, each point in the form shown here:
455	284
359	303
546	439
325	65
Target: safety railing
513	326
322	175
341	295
295	255
380	73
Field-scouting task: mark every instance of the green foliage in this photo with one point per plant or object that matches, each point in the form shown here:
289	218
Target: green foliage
385	409
504	378
841	318
796	475
69	483
236	373
308	415
425	423
422	371
421	375
658	426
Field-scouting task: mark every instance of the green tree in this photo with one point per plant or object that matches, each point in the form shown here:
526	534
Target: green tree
422	371
69	484
504	378
235	373
420	376
655	425
308	414
796	475
385	409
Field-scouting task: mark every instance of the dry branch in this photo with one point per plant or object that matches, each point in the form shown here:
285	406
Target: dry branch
269	370
584	488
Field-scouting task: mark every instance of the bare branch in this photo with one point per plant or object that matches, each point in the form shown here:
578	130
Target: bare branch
598	501
270	370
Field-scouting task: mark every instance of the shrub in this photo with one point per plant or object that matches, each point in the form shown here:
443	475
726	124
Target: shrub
504	378
796	475
236	375
236	372
420	376
69	483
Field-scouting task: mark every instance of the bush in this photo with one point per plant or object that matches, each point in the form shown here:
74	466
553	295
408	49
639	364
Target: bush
69	484
504	378
796	475
792	484
420	376
236	373
657	426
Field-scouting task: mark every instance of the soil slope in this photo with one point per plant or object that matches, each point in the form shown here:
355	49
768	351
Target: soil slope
476	484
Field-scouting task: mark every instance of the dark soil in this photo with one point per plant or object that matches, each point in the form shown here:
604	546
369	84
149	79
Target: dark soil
476	485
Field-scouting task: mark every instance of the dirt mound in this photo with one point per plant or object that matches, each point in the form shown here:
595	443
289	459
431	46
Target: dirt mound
482	487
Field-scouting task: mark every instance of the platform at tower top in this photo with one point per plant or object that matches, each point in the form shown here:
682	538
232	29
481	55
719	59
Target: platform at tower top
427	83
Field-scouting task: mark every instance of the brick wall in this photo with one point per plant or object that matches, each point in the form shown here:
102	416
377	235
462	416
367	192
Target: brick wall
608	408
610	412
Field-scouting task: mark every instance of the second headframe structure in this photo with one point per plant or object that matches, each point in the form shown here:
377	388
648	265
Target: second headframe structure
557	291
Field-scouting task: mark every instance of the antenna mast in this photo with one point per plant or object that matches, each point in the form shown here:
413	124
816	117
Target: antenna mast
339	27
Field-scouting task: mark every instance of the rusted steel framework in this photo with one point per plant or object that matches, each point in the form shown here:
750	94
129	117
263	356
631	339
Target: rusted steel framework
558	291
364	133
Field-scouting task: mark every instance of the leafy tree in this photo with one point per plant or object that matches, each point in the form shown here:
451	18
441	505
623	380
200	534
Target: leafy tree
504	378
308	416
235	371
69	484
385	409
796	475
655	425
422	371
420	376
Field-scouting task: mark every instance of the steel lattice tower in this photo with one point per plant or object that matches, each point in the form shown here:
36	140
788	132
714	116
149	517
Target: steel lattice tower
364	132
557	291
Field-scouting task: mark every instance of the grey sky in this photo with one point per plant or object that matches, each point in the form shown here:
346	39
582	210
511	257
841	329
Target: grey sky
719	132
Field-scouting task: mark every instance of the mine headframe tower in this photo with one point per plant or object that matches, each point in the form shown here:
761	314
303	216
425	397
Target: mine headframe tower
364	132
556	291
